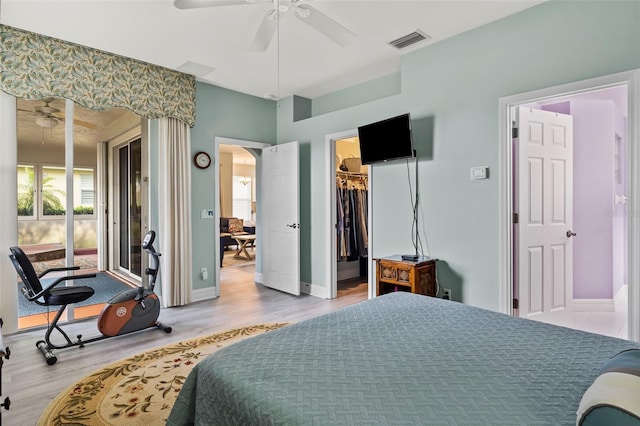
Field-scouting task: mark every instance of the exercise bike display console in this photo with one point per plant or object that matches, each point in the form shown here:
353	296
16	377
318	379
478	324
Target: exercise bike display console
129	311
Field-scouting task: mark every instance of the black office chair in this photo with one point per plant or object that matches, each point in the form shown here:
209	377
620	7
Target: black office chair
49	296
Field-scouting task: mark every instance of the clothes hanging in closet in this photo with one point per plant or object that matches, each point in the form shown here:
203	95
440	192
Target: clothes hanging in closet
352	201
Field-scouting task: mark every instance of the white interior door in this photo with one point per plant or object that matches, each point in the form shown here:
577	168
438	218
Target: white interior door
545	206
281	236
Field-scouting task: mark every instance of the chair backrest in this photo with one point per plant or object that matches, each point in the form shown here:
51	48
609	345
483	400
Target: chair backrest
25	270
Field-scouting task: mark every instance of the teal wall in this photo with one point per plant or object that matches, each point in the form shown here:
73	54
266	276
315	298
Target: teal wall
451	90
224	113
378	88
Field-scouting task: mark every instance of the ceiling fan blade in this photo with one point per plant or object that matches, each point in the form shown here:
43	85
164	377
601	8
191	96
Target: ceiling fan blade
77	122
46	109
195	4
266	31
84	124
323	24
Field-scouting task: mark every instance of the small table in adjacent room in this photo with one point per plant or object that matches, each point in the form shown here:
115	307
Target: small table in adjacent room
243	241
395	274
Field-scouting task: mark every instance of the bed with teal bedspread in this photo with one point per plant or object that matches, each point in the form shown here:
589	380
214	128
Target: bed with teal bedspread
399	359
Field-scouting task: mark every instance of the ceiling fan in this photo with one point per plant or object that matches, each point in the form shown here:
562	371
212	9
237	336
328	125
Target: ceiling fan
305	12
46	116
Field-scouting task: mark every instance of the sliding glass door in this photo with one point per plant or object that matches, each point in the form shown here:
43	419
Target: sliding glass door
130	203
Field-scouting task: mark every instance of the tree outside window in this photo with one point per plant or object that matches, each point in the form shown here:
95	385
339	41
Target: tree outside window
53	191
26	191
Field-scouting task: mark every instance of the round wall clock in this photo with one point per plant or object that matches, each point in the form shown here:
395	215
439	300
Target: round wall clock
202	160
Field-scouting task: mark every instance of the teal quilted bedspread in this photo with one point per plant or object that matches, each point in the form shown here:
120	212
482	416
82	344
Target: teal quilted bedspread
399	359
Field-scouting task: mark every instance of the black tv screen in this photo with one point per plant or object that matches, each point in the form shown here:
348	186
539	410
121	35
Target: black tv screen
386	140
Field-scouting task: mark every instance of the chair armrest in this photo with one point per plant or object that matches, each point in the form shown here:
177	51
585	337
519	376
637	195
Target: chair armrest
58	281
62	268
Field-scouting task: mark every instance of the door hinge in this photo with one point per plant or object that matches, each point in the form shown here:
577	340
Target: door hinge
516	304
515	218
514	133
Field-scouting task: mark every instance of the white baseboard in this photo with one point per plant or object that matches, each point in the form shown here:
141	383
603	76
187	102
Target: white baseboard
305	288
313	290
203	294
621	295
601	305
593	305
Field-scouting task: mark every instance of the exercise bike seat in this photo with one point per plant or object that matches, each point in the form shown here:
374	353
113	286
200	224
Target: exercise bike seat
49	295
68	295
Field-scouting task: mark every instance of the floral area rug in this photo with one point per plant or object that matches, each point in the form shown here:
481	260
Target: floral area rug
142	389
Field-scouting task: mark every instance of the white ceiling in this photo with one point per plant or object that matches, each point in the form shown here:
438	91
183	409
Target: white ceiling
299	61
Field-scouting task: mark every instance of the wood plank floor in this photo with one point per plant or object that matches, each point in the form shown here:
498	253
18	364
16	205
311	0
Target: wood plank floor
31	384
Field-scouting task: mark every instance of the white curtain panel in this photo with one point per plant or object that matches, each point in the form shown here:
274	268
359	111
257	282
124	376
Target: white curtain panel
174	204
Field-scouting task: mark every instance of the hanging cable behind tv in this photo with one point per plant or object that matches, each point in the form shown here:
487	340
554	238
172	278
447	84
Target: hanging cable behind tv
415	233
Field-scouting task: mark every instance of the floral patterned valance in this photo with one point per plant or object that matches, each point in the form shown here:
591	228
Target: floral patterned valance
33	66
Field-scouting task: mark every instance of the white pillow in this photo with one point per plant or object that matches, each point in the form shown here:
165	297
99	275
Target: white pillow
615	392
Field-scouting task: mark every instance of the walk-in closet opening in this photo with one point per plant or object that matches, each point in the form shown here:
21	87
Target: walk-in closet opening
352	216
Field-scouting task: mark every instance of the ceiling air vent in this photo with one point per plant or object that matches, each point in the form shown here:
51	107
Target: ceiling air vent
409	39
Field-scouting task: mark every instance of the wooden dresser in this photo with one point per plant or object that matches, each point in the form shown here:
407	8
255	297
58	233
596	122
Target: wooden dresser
395	274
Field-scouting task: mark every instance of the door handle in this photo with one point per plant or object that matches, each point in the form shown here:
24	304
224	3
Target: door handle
293	225
571	234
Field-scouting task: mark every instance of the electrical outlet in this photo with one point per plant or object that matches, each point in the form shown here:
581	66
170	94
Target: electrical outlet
446	293
204	273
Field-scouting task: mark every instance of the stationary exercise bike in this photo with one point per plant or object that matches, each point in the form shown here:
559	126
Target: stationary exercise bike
129	311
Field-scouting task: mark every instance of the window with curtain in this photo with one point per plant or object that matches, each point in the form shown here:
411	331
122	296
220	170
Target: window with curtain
42	66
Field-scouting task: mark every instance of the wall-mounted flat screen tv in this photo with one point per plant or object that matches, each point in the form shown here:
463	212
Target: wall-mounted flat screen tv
386	140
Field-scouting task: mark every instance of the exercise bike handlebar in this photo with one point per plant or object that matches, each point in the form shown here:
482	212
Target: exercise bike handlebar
60	269
147	244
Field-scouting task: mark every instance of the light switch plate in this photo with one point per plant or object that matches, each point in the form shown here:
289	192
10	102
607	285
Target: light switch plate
479	173
206	214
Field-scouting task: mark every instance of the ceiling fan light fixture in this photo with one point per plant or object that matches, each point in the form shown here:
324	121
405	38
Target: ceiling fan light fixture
46	122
